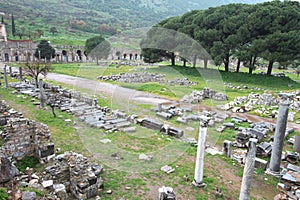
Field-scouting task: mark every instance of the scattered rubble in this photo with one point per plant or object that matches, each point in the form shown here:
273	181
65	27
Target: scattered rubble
164	129
146	77
289	185
80	105
166	193
268	101
199	96
167	169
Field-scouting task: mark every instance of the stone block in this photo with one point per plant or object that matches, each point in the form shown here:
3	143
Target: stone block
260	163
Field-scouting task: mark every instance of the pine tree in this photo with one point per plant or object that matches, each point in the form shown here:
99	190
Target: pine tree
2	20
13	26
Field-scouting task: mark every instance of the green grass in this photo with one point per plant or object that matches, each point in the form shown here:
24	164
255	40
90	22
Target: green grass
3	194
204	77
67	138
28	161
154	88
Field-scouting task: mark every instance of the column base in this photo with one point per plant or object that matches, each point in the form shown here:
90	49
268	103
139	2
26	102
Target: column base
199	185
272	173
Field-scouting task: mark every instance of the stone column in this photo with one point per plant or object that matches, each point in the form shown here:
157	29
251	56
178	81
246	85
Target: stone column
42	98
10	71
297	144
198	177
20	73
227	148
5	77
248	170
278	139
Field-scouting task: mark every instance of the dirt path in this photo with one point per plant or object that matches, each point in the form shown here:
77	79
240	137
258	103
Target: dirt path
113	91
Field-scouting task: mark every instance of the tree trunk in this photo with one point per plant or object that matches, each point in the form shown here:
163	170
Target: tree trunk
53	111
97	60
250	69
173	59
205	63
226	65
194	61
184	63
270	67
238	66
36	81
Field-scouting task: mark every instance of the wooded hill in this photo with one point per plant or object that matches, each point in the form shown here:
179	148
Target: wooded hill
106	17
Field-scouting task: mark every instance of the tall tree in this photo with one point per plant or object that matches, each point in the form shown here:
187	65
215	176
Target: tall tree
275	36
13	26
97	47
44	50
217	26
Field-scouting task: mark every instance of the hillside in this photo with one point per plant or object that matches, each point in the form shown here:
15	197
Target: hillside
94	16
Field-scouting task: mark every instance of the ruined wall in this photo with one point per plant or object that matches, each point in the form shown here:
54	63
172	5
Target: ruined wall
77	175
23	136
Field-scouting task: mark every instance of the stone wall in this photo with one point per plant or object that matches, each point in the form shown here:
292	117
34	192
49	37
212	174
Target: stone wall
22	136
78	176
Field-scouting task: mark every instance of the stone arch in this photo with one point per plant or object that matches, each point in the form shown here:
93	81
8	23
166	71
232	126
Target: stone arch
28	56
6	57
16	55
57	57
64	53
79	53
64	56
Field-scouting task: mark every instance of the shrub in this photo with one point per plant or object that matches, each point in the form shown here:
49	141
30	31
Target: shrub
3	194
27	161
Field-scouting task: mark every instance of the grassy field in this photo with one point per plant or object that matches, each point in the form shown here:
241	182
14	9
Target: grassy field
219	171
203	77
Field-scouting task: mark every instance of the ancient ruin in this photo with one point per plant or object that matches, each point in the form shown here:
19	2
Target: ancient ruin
199	96
146	77
68	172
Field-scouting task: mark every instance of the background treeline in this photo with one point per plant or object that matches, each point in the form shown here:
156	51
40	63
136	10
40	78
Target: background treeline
244	33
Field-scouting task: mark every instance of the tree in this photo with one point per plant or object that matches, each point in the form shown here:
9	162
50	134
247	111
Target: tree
13	26
151	55
53	30
44	50
275	37
161	41
2	19
34	69
279	47
97	47
217	28
118	54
